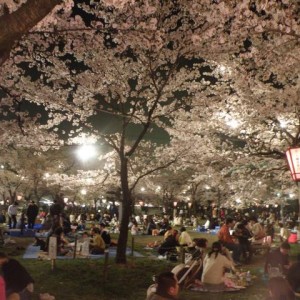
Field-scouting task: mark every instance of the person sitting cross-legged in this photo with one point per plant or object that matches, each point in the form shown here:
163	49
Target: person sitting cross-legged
214	266
169	244
278	260
105	234
97	244
227	240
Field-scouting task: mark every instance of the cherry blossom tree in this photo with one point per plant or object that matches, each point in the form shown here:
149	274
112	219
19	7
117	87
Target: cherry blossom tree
17	20
161	63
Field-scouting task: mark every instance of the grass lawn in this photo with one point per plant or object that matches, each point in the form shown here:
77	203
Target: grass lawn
84	278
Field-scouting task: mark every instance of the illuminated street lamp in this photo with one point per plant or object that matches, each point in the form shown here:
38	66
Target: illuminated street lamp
86	152
293	159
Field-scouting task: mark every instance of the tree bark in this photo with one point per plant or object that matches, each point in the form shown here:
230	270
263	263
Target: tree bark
14	25
126	212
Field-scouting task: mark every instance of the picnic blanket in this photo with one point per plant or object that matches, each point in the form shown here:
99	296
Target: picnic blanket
34	252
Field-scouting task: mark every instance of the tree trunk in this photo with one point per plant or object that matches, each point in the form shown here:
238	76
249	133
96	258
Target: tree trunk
14	25
126	203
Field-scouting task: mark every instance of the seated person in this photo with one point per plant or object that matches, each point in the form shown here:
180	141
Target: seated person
169	244
257	231
279	258
105	234
283	233
279	289
168	232
46	223
83	238
97	244
150	226
163	226
200	248
165	288
214	266
184	238
207	224
134	228
227	240
293	275
18	282
62	242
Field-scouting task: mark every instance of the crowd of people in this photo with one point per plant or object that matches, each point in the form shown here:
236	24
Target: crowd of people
237	238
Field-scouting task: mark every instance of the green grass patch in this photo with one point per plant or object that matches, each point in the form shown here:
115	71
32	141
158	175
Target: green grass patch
84	278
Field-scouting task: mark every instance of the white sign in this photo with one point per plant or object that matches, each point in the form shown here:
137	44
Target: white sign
85	248
52	247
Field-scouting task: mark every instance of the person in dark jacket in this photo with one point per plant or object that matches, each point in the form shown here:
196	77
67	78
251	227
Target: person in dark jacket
55	209
32	212
105	234
293	275
279	258
169	244
17	279
165	288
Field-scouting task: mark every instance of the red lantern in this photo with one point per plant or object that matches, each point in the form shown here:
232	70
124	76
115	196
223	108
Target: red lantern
293	158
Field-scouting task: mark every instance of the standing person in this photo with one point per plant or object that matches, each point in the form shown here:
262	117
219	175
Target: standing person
227	241
32	212
243	235
17	279
12	215
166	287
55	209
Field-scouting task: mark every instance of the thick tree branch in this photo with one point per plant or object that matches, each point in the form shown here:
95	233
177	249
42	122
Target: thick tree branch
14	25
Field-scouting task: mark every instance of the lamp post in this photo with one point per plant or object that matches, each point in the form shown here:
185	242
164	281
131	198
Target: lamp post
293	159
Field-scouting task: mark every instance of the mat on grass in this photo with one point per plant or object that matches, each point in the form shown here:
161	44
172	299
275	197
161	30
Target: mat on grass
34	252
31	252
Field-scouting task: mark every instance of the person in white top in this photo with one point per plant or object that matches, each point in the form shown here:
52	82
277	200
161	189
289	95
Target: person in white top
257	231
12	215
184	238
283	233
214	266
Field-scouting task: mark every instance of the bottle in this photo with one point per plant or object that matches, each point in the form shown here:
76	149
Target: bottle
248	278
